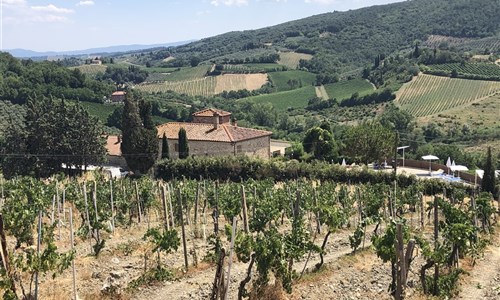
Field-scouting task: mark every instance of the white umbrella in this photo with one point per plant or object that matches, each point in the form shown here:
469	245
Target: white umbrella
459	168
448	164
453	163
343	162
430	158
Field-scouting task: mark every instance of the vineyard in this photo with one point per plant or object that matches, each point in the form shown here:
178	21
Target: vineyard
289	80
95	238
189	74
202	86
344	89
281	101
490	44
252	68
483	69
292	59
428	95
91	70
207	86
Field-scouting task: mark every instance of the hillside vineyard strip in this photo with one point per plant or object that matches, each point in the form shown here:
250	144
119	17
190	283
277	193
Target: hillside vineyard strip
428	95
197	87
91	70
484	69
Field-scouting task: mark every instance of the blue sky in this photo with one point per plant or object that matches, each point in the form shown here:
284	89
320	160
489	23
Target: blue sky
57	25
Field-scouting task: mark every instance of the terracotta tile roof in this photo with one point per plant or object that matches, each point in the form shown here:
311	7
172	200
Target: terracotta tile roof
113	146
207	132
210	112
119	93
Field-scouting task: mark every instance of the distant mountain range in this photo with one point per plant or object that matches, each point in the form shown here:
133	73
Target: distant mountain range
23	53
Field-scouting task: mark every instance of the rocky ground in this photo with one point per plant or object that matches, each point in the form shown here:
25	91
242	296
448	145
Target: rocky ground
344	276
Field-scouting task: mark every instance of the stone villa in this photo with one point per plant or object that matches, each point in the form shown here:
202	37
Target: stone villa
211	133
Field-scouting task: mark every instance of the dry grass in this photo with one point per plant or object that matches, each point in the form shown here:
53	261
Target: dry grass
235	82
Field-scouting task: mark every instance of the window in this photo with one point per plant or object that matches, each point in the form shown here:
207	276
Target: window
176	147
239	149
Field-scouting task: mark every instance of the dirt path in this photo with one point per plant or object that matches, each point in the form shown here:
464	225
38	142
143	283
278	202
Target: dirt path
497	62
484	279
321	92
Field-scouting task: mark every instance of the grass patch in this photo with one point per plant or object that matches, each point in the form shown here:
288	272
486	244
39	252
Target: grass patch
282	80
281	101
344	89
189	73
153	276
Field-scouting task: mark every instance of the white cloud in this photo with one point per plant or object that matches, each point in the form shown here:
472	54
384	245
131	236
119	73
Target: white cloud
52	9
85	3
229	2
19	12
323	2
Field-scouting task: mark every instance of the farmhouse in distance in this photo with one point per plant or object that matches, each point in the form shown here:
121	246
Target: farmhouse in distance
213	133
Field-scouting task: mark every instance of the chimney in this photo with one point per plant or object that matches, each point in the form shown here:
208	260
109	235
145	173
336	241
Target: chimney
216	120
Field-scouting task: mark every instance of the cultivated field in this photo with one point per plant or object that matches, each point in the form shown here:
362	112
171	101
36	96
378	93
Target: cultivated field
492	44
321	92
189	73
483	69
428	95
291	59
252	68
91	70
208	86
283	100
235	82
197	87
288	80
344	89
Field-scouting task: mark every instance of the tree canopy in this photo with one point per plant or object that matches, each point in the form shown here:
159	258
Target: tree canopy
53	133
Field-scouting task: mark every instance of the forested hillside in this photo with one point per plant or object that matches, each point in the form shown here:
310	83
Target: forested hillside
342	41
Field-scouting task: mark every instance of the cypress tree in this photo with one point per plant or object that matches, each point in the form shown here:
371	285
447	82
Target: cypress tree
139	143
488	183
183	144
164	147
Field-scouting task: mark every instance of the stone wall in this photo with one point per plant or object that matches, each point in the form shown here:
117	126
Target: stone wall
259	147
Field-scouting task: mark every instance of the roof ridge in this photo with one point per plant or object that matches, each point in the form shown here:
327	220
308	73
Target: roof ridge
228	133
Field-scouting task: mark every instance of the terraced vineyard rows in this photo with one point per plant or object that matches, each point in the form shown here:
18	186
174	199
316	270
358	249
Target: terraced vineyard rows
484	69
491	44
197	87
428	95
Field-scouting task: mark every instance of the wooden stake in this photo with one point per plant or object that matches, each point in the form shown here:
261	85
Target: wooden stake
5	255
183	230
165	209
245	210
170	203
72	241
94	199
230	259
139	212
422	212
87	211
38	244
112	205
436	244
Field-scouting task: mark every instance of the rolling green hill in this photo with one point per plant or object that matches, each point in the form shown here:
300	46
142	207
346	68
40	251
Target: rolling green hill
344	89
288	80
342	41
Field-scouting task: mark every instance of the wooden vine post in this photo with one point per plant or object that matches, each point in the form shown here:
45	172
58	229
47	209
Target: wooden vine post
38	245
233	233
72	241
112	205
5	255
436	244
246	227
139	211
165	208
94	199
183	230
403	260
